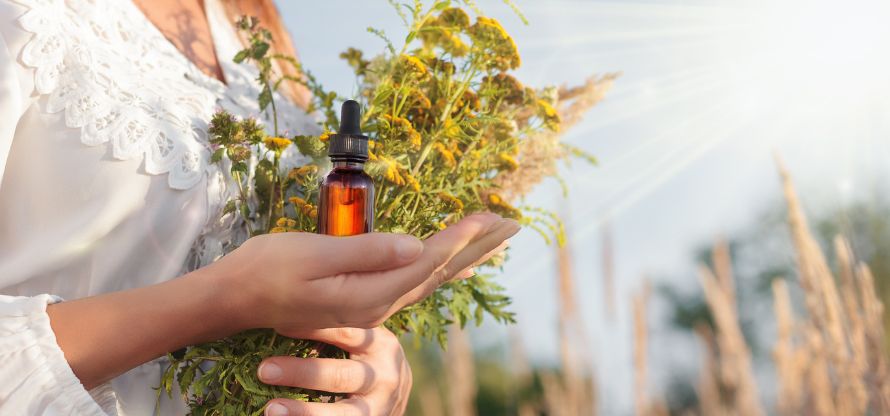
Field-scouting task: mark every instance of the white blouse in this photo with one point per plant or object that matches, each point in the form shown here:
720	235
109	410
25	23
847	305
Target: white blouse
105	181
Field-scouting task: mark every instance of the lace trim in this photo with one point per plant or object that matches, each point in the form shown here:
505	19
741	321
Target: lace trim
119	80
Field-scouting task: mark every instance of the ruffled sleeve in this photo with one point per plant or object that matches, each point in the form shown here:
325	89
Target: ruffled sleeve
35	379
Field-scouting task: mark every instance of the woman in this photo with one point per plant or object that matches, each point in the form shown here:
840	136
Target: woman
106	195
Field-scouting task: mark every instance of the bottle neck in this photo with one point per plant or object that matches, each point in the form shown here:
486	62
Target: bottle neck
348	163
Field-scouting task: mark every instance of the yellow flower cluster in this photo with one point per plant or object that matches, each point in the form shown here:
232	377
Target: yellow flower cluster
447	154
324	137
301	173
509	88
411	67
276	144
453	203
508	162
444	32
549	115
498	204
284	225
399	128
303	207
489	33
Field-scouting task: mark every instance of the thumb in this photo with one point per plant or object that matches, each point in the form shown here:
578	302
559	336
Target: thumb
325	255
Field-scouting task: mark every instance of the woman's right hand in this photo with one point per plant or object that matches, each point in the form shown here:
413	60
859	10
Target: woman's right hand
299	281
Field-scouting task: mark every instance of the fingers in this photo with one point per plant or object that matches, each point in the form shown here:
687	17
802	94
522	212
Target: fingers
351	340
468	273
328	256
325	374
439	249
473	253
348	407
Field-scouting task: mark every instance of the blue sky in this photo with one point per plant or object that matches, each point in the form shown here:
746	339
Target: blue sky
709	91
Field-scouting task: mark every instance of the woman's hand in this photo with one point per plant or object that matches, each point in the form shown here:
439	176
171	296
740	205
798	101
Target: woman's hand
376	376
304	281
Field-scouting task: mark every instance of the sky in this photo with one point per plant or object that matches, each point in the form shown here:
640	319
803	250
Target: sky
710	91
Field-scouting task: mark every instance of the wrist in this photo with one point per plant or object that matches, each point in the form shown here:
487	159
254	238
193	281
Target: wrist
227	306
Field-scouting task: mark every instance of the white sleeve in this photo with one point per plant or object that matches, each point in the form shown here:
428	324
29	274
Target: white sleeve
35	379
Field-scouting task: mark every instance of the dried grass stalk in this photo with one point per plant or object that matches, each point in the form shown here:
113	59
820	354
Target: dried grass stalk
736	375
641	330
460	372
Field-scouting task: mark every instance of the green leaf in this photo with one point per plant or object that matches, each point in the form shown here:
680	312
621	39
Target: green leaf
260	49
265	98
230	207
217	155
241	56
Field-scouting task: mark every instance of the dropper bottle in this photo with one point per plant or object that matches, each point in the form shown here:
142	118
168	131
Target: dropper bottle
346	200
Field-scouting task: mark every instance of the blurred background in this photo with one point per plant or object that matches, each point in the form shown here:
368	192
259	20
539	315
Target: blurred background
709	93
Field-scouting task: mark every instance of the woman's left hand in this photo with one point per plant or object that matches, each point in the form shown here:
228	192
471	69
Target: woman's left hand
376	376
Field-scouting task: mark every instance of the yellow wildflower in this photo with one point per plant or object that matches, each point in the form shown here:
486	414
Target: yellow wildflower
454	17
455	204
276	230
508	162
276	144
549	115
313	213
441	225
447	155
508	87
489	32
324	137
501	206
306	209
297	201
411	181
400	129
412	66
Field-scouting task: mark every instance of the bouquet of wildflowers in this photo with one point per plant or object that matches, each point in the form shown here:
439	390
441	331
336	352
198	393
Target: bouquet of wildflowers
453	133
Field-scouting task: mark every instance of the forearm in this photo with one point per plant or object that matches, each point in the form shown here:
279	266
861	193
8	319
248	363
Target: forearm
106	335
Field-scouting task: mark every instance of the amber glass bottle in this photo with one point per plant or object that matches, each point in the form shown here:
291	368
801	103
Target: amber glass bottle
346	200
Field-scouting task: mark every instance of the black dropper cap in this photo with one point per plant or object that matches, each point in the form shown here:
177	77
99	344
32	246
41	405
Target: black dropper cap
349	142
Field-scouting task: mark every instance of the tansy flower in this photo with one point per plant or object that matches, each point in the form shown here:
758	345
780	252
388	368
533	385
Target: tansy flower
446	154
411	66
508	162
276	144
400	129
456	205
325	136
297	201
549	115
498	204
489	32
307	209
277	230
454	17
441	225
313	213
412	182
508	87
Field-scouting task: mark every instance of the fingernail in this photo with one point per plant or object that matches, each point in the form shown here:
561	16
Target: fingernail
408	248
270	372
512	225
468	273
275	409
